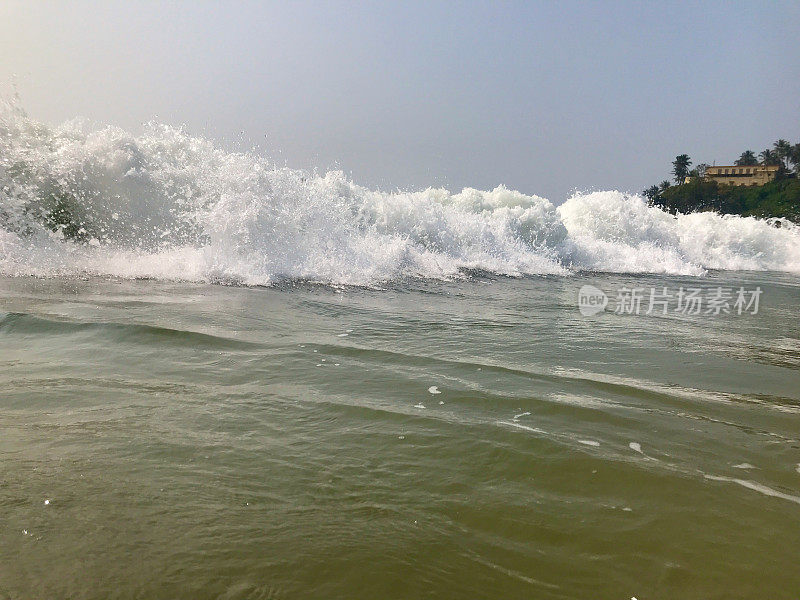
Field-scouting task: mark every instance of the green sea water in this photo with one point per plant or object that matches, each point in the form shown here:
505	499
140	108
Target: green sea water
466	439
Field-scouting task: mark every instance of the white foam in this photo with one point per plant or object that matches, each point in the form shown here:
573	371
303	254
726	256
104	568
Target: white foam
744	466
752	485
636	447
434	390
589	442
167	205
525	427
611	231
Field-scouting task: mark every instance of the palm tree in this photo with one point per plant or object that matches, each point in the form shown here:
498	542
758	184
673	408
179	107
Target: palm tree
651	194
664	185
747	159
768	157
783	149
680	167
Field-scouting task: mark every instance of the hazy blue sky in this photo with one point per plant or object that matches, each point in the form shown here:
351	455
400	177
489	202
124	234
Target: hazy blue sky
543	97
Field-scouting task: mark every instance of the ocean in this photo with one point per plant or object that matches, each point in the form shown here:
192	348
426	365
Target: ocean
224	379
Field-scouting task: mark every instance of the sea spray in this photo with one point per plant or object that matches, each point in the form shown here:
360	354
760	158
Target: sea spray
81	199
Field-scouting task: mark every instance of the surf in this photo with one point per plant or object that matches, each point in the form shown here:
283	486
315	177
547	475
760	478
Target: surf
79	198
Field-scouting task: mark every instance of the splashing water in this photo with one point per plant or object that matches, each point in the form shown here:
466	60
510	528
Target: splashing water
77	199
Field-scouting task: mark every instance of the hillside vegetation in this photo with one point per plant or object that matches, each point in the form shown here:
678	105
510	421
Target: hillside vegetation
694	192
779	198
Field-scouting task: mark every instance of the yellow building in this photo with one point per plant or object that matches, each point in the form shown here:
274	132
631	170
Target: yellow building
742	175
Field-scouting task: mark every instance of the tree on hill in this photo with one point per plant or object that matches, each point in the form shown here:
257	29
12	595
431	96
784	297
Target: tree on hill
680	167
699	170
794	158
664	185
747	159
769	158
651	193
783	150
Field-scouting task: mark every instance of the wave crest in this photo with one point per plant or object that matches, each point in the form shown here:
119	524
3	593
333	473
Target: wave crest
164	204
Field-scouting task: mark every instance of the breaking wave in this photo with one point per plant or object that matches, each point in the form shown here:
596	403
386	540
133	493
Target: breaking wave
77	199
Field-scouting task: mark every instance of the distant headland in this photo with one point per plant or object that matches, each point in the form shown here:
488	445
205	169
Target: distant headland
763	186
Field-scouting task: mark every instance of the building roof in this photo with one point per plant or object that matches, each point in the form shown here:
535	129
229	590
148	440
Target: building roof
765	167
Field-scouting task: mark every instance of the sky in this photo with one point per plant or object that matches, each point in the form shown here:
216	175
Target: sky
543	97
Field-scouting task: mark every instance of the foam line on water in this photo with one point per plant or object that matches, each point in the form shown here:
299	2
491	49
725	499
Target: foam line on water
757	487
